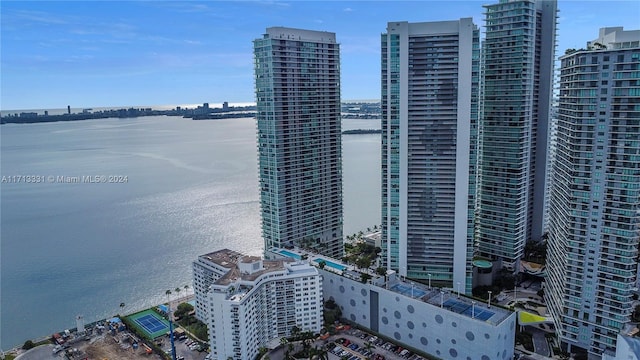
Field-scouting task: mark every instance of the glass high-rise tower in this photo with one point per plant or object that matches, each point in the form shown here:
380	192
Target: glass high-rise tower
297	80
517	75
430	79
594	220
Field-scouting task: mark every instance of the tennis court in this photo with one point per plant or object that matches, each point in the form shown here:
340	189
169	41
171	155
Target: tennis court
481	314
468	310
151	323
408	290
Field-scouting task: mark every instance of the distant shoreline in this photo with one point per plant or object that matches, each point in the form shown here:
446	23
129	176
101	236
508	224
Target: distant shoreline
349	110
199	113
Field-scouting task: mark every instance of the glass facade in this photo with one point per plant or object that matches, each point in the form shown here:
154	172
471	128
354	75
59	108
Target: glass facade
594	220
390	124
425	119
297	79
517	85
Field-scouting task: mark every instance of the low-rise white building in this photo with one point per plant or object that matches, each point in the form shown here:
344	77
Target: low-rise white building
258	301
207	269
439	322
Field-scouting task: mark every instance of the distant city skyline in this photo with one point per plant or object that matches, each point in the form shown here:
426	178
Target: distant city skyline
95	54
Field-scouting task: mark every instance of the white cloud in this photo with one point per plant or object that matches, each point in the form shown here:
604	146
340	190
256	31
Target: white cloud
274	3
38	17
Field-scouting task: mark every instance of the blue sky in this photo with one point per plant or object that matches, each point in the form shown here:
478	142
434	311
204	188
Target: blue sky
136	53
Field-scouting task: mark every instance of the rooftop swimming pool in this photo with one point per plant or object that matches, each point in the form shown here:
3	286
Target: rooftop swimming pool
331	264
328	263
290	254
485	264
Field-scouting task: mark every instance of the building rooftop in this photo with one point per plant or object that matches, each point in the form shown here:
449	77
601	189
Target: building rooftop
232	260
225	257
235	274
615	38
250	259
244	270
278	32
440	297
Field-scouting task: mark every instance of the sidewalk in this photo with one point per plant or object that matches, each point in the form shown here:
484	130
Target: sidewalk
173	303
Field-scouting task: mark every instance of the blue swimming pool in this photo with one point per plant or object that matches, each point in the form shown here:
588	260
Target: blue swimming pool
290	254
331	264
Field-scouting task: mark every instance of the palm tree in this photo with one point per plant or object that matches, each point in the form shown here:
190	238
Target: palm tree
122	307
186	288
295	332
368	346
262	350
314	353
322	354
168	293
364	278
306	340
177	290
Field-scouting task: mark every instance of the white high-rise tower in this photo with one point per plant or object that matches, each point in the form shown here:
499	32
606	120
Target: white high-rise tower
430	74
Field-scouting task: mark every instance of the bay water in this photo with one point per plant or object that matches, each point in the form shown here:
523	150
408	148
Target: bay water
116	210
